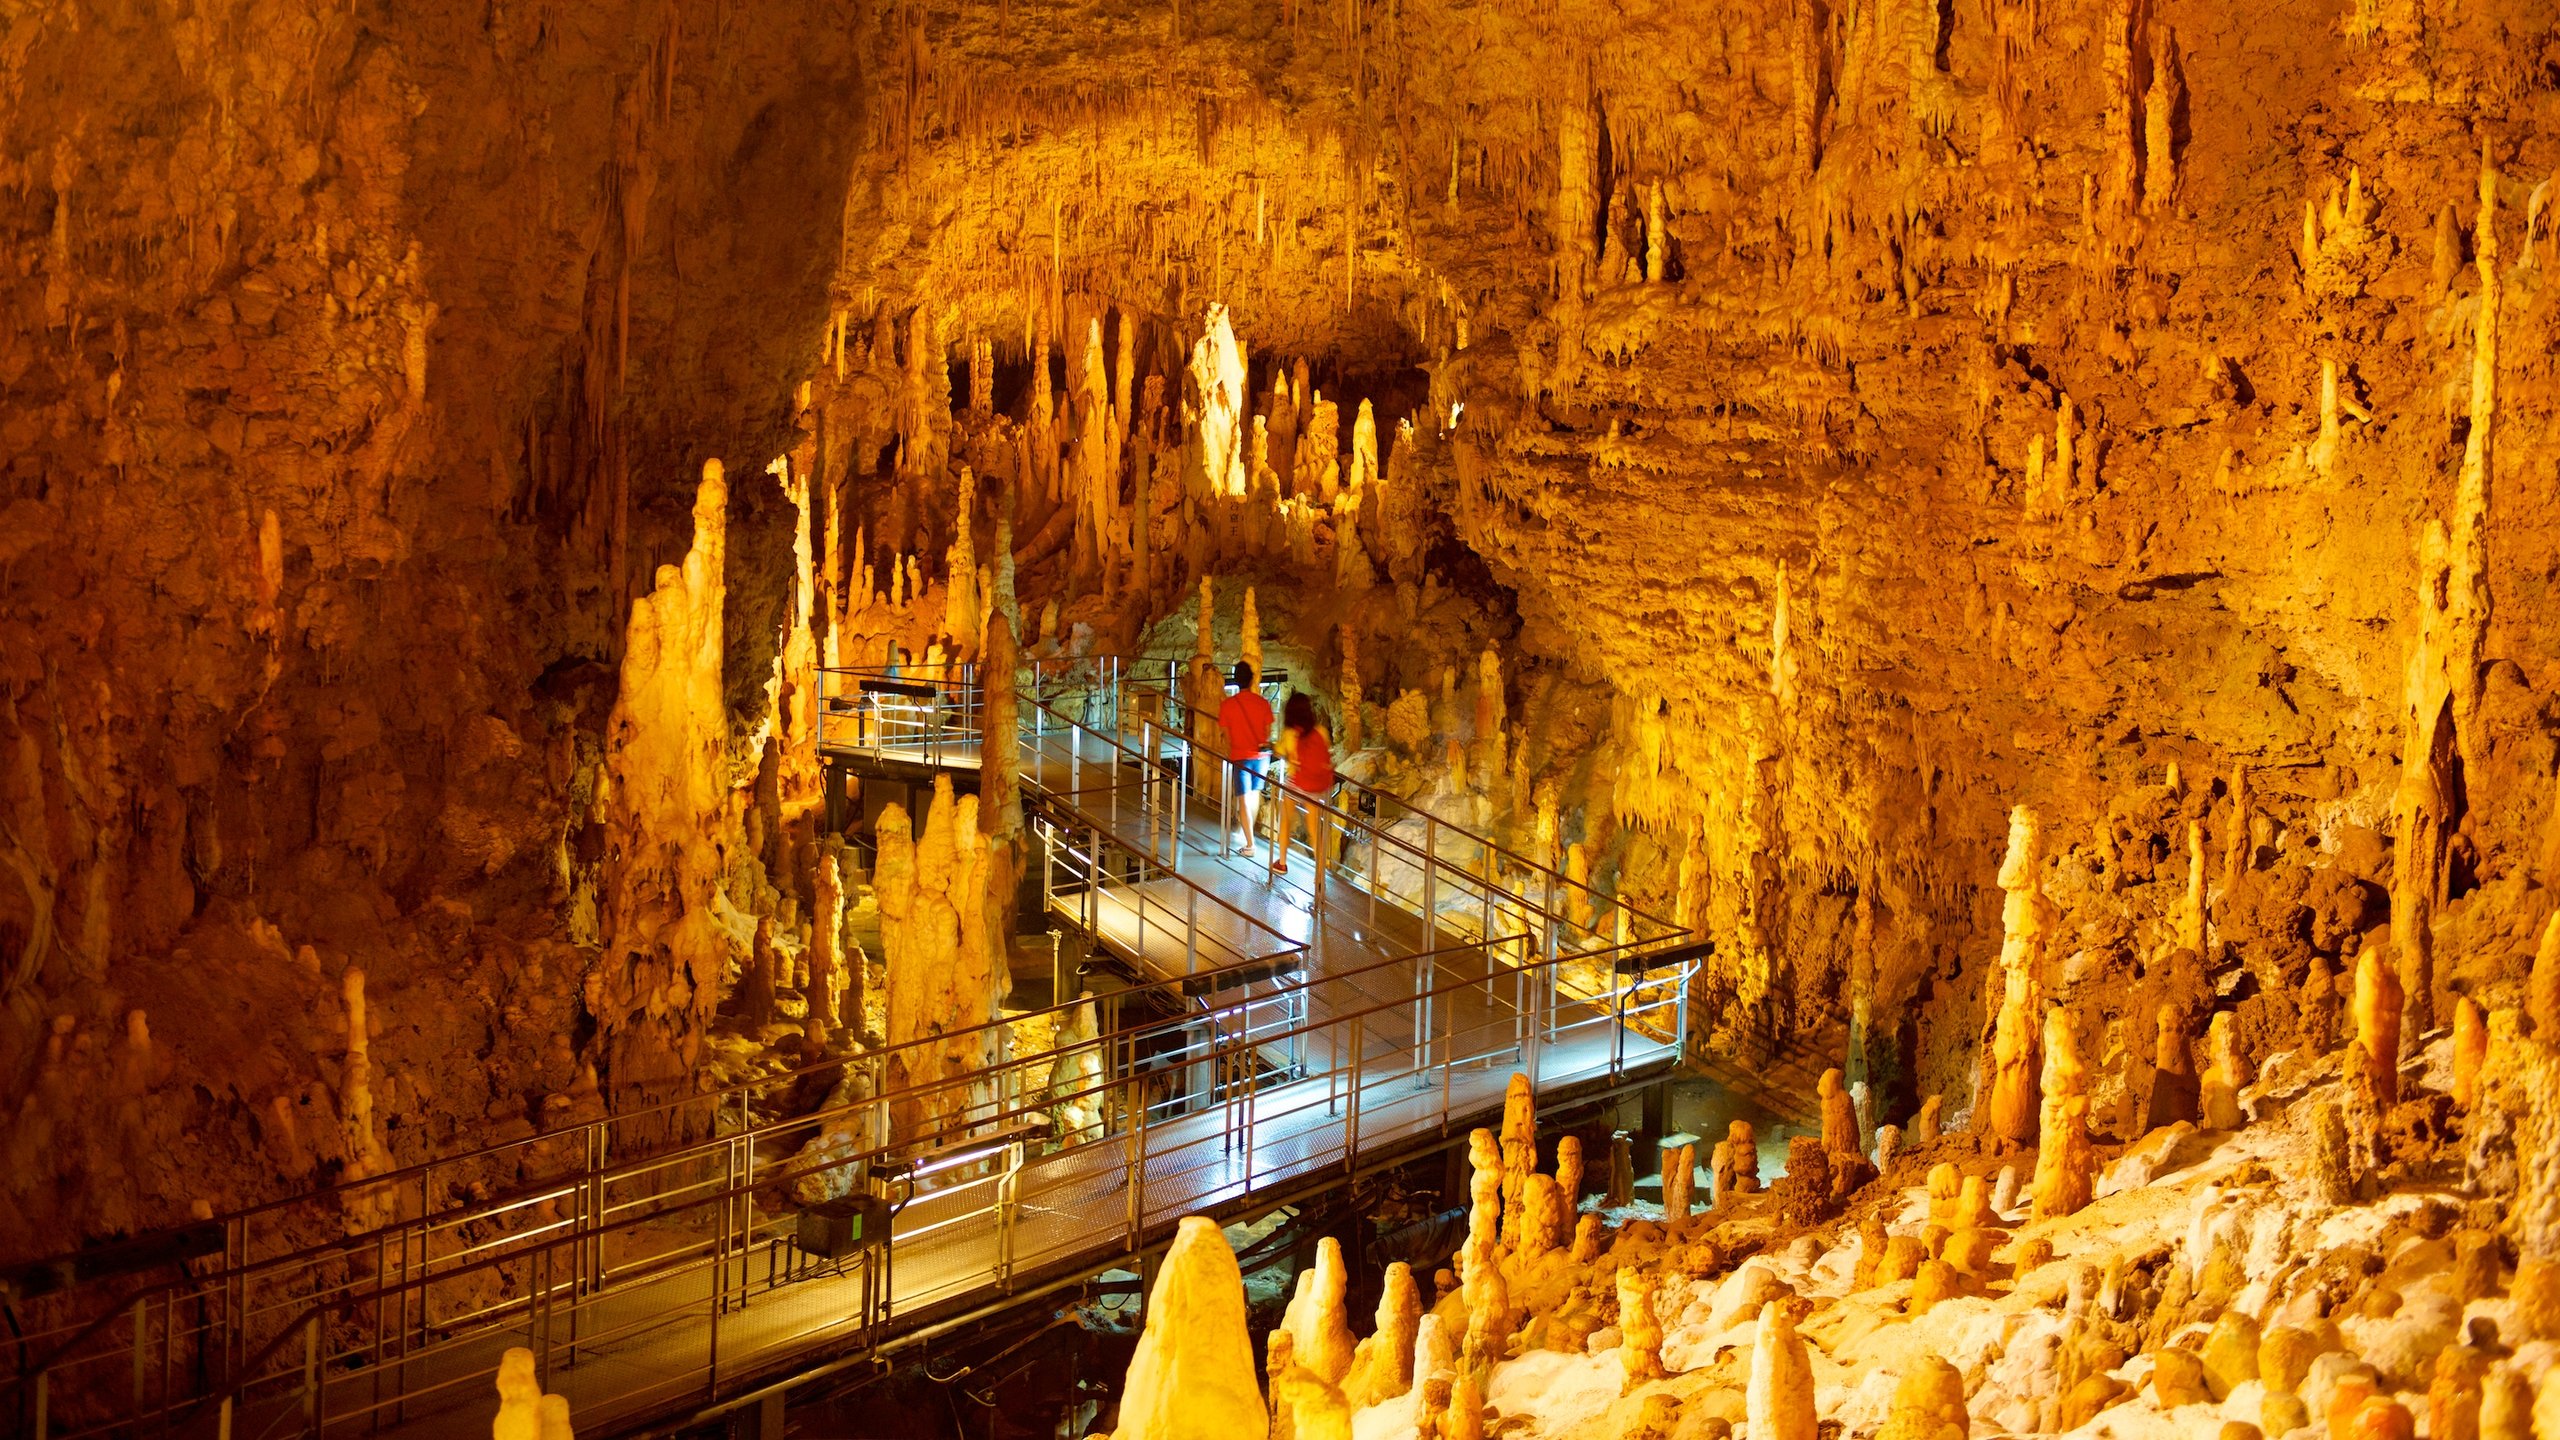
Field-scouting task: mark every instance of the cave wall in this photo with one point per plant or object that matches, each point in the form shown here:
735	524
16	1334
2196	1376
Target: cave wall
359	363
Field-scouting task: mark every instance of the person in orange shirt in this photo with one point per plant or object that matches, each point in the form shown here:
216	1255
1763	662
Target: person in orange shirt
1246	718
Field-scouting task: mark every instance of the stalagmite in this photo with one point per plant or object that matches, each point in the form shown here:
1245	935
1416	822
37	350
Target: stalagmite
960	598
519	1398
1519	1150
755	983
1928	1403
1217	378
1320	1329
1779	1400
1124	373
1484	756
1586	1240
2378	1020
1348	738
2175	1089
366	1157
1657	238
2542	985
1569	1173
1317	1410
1484	1194
1487	1297
999	798
1465	1419
1249	633
1743	1154
1543	1218
665	952
2026	916
1639	1332
1839	1119
2443	684
1679	1167
942	979
1382	1366
2063	1159
1191	1377
2222	1080
1364	449
826	943
2191	914
1279	1352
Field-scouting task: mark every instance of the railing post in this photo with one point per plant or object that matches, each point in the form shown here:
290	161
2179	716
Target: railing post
1430	881
1008	1205
1617	1023
1351	1102
141	1342
44	1398
1137	1185
746	1203
311	1409
1191	932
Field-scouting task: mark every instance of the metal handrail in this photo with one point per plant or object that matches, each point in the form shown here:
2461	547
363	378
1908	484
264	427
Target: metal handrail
960	681
1172	693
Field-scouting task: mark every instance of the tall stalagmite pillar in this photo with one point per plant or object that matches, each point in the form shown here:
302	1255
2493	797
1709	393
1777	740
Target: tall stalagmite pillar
2009	1107
2443	687
665	954
1191	1377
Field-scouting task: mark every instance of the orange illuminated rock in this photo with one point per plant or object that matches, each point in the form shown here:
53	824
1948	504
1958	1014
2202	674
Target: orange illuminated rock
2009	1112
1191	1377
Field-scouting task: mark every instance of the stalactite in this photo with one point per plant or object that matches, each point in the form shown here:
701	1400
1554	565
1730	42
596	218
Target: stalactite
2159	107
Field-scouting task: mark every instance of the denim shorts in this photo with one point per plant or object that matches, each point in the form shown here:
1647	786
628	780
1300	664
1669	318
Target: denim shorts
1249	777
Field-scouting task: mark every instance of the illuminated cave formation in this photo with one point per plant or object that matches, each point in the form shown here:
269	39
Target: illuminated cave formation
618	634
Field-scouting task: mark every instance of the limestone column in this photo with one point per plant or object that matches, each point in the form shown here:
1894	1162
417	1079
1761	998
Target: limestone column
2009	1111
1191	1377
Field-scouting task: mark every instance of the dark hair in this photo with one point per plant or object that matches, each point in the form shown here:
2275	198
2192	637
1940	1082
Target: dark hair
1299	713
1244	677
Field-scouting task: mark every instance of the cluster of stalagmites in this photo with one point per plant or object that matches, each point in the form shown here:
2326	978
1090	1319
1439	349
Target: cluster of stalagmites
2348	1244
1123	489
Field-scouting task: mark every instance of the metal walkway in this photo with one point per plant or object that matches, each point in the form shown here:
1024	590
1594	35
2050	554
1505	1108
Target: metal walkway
1298	1036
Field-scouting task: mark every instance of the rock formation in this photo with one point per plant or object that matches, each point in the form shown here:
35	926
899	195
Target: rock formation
943	982
1779	1400
2009	1106
2064	1164
1192	1375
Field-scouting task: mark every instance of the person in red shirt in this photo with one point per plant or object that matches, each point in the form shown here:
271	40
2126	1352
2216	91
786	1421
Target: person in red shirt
1246	718
1307	784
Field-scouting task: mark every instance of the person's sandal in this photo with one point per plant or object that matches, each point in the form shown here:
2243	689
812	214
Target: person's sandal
1279	869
